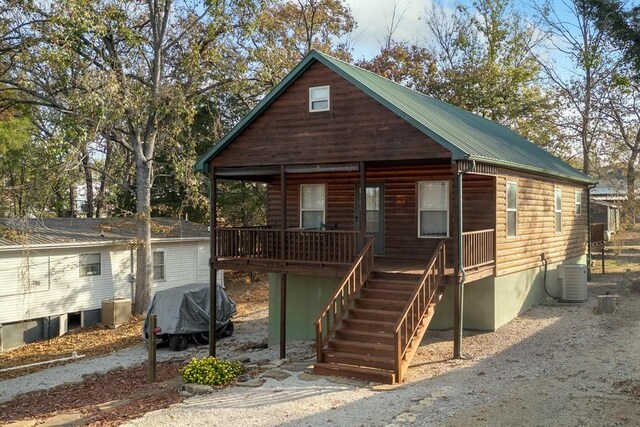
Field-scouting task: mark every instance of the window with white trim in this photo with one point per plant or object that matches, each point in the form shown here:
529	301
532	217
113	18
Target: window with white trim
319	99
158	265
433	209
512	209
558	209
90	265
312	205
578	202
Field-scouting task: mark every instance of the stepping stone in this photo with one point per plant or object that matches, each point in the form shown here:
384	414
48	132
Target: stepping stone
256	382
276	374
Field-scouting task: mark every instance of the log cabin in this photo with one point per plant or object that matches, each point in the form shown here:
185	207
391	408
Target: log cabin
388	212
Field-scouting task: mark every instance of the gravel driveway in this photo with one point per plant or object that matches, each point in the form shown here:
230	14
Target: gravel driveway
555	365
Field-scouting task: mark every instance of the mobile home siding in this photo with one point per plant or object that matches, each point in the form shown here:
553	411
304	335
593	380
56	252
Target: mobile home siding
62	290
536	223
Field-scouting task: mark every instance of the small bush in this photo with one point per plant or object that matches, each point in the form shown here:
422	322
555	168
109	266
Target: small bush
210	371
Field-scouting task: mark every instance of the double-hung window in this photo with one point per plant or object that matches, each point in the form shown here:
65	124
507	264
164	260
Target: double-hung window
578	202
90	265
312	205
512	209
433	209
319	99
158	265
558	209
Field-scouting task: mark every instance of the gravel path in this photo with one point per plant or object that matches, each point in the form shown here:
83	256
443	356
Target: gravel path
555	365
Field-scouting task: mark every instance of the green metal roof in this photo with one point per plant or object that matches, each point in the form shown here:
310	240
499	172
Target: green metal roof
467	135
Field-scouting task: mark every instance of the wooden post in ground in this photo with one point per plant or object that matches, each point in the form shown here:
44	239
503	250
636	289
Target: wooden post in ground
283	277
151	347
213	290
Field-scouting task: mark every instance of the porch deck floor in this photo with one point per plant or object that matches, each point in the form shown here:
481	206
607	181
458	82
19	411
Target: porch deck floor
399	266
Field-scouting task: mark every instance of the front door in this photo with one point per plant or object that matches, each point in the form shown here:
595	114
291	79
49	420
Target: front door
375	214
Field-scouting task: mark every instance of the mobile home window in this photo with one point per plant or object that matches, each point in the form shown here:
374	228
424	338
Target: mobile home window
158	265
433	209
89	265
318	99
558	209
312	205
512	209
578	202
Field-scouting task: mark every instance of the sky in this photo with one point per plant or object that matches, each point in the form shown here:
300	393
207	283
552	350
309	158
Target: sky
374	16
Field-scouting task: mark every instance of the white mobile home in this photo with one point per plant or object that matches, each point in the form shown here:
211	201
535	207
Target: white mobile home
55	273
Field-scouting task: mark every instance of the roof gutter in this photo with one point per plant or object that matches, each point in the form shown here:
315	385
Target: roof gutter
459	294
97	243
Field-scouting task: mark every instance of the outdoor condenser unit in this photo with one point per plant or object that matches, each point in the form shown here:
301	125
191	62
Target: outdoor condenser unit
572	282
115	312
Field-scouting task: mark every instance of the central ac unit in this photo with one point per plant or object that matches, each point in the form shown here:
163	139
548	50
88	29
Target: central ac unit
572	281
115	312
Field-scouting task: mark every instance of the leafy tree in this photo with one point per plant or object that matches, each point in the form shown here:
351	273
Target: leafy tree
572	34
621	21
132	72
484	64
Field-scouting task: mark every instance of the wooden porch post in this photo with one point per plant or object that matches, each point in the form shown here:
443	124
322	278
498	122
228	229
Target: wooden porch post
363	205
457	317
213	290
283	277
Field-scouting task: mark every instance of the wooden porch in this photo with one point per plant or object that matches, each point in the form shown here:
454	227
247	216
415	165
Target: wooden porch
333	252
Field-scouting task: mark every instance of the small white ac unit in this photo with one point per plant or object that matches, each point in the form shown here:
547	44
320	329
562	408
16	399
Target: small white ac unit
572	281
115	312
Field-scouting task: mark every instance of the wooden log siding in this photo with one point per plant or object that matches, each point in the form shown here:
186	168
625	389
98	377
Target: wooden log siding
401	212
536	223
357	128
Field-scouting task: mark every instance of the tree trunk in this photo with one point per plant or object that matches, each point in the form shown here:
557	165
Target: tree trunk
103	181
631	187
143	215
72	202
88	179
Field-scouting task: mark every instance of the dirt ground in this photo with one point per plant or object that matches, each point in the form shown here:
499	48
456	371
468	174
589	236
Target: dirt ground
116	396
556	365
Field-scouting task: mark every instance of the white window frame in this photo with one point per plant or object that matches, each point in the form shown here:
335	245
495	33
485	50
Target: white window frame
328	99
164	265
578	203
514	185
324	206
420	183
83	272
557	209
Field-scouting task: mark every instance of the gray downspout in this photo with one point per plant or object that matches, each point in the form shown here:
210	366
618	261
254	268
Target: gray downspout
589	188
457	350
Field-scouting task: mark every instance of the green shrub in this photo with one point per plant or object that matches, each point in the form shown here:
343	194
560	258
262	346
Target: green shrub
210	371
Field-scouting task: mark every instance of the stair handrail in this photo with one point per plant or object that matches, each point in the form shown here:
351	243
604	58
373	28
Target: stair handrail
417	306
341	298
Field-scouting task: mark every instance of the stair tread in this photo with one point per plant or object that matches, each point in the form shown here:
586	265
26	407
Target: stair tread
367	333
361	372
363	345
370	322
372	310
358	356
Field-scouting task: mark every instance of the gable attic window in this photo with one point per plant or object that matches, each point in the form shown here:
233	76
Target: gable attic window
318	99
89	265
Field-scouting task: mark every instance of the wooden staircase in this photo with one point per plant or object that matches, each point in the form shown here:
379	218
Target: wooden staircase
380	325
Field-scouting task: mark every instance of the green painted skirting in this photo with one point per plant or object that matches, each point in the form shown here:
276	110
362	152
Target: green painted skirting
306	297
494	301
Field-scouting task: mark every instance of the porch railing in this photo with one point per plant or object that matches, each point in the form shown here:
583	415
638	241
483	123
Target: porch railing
417	307
304	246
334	312
478	248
